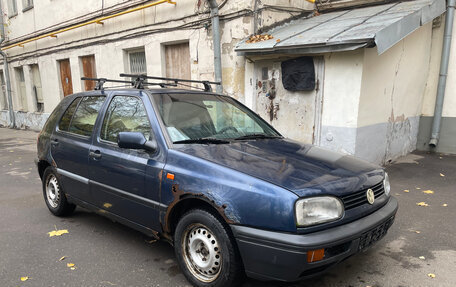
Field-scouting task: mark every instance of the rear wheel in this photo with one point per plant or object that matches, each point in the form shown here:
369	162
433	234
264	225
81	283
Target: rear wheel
205	251
53	194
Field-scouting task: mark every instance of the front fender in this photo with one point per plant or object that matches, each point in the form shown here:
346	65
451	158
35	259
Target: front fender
241	199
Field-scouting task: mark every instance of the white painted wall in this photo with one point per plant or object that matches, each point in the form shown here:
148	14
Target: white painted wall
392	89
393	83
341	92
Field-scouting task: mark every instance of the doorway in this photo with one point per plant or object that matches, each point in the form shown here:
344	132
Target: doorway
65	77
295	114
88	71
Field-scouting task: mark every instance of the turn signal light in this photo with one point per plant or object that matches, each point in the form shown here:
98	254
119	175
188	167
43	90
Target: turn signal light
170	176
315	255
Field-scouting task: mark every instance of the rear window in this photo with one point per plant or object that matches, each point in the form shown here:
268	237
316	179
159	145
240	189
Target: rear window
81	115
64	123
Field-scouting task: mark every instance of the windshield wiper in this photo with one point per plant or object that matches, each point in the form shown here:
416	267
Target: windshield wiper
257	136
202	141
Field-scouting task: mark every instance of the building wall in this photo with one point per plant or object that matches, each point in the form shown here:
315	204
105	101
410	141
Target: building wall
341	93
392	89
447	142
151	29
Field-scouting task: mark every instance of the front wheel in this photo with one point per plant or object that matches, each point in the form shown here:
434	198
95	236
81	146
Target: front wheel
205	252
53	194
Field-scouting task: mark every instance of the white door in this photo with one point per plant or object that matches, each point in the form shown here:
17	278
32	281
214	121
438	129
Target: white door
296	115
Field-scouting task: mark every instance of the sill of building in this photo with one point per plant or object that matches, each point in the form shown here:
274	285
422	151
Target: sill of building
12	15
27	8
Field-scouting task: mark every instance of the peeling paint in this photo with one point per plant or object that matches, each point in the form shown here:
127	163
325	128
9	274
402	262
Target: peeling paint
228	214
233	80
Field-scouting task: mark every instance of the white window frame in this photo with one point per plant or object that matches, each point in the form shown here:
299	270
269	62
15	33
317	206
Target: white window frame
12	4
21	89
27	5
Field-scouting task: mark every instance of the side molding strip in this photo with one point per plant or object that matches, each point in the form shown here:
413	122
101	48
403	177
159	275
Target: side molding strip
114	190
73	176
130	195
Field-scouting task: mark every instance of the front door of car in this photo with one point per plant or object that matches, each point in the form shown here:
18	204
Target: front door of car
70	143
125	182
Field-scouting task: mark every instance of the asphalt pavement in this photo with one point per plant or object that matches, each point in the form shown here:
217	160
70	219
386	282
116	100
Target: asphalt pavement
421	243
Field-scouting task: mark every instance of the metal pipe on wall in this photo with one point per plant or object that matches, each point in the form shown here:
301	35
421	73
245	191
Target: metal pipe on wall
216	40
12	117
436	123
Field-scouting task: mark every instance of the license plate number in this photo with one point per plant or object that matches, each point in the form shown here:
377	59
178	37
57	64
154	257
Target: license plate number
374	235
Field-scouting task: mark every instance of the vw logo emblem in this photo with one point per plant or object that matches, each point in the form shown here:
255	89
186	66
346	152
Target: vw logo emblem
370	196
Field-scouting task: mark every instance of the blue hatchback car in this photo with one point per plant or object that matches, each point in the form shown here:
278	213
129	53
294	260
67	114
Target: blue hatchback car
208	175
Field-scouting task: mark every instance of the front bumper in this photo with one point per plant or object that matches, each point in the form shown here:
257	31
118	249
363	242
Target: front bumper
269	255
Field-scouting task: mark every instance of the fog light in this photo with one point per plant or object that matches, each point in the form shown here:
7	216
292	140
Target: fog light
315	255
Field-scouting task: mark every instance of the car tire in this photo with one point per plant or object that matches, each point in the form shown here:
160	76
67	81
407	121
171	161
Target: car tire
206	252
54	195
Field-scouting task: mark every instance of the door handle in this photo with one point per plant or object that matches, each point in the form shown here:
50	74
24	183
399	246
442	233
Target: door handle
54	142
95	154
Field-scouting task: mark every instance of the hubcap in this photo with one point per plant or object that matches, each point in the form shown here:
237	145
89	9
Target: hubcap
202	253
53	191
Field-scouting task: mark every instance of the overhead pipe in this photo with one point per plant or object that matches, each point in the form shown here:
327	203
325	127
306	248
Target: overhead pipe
12	117
448	32
96	21
216	43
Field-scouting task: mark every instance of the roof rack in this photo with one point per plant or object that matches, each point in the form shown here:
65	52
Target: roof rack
138	83
102	81
207	84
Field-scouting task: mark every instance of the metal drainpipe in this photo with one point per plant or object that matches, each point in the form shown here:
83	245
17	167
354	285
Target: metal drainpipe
436	123
255	17
6	72
216	41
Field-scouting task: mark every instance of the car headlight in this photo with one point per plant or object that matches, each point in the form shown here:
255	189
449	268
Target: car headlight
316	210
386	184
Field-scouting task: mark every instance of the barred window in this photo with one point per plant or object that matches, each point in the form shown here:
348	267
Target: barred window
137	62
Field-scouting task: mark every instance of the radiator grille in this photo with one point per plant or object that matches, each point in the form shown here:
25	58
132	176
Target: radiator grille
359	198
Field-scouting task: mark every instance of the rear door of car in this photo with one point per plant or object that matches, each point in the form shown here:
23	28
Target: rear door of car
126	182
70	144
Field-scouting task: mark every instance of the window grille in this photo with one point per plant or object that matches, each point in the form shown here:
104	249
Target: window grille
137	62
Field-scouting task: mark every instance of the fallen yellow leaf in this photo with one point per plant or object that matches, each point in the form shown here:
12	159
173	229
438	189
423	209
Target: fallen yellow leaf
431	275
107	205
62	258
418	188
73	268
444	205
25	278
57	232
422	257
70	264
442	175
406	190
422	204
428	191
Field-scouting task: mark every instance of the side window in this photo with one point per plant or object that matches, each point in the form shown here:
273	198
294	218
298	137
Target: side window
64	123
85	116
125	114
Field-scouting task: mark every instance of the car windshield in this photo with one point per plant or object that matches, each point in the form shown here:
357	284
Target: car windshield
209	119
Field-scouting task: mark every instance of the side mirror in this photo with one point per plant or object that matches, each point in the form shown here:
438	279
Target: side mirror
135	140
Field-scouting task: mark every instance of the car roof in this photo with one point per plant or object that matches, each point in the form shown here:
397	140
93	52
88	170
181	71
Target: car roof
149	91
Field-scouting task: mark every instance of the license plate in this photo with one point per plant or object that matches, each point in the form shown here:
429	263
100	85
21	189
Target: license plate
374	235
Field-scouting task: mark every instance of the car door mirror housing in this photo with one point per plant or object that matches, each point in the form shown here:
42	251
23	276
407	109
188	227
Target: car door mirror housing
135	140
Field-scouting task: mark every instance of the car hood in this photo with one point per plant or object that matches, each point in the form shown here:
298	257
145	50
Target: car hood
303	169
